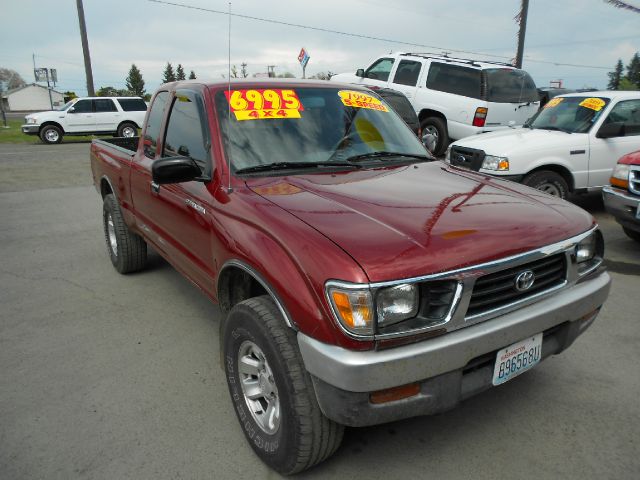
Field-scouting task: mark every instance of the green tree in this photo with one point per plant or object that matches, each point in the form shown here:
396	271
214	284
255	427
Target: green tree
135	83
110	91
626	84
180	73
168	75
615	76
633	70
286	75
69	95
243	71
12	78
192	75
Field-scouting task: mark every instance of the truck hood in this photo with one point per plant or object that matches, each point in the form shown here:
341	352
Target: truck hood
517	140
411	220
46	115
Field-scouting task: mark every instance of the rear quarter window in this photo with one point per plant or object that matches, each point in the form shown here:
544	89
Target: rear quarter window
508	85
454	79
132	104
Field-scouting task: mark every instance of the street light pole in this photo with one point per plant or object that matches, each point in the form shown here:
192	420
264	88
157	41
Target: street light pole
85	49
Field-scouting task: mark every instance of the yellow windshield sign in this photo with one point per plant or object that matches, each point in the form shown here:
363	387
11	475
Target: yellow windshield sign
593	103
351	98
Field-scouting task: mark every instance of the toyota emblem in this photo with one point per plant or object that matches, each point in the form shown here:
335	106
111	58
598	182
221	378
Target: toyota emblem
524	280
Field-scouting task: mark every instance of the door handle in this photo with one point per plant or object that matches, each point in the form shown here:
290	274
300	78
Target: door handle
155	188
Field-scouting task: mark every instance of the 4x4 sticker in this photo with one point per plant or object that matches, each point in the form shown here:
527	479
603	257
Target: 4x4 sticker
361	100
593	103
553	102
264	104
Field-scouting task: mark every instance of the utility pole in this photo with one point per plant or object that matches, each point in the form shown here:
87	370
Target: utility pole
521	33
85	49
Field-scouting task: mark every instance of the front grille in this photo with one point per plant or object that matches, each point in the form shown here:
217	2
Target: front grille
634	180
498	289
466	157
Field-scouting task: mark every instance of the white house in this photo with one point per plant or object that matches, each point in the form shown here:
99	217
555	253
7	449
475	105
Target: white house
32	98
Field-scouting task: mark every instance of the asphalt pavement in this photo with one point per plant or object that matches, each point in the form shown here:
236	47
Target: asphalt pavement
105	376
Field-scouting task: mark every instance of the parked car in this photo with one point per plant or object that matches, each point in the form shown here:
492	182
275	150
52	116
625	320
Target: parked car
453	97
622	197
360	282
122	116
569	146
547	93
401	104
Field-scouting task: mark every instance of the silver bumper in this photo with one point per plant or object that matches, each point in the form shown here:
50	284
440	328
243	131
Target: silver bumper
368	371
623	206
30	129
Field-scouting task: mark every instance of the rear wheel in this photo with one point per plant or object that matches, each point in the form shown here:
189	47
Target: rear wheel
434	135
51	134
127	251
271	390
127	129
632	234
548	182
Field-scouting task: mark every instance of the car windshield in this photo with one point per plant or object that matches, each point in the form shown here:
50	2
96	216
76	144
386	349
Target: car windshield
65	106
569	114
311	126
509	85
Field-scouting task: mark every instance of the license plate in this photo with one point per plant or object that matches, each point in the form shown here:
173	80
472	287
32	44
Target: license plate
517	358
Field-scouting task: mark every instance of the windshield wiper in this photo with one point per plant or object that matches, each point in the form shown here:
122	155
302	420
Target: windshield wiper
383	154
292	166
556	128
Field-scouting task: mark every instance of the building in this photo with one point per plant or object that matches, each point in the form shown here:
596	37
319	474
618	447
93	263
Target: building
31	98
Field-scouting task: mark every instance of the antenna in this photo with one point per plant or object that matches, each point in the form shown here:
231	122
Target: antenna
229	189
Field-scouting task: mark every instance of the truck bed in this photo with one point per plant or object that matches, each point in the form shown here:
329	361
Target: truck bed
127	145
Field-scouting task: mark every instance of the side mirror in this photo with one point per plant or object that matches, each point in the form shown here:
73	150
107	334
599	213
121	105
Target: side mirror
71	110
175	170
610	130
360	73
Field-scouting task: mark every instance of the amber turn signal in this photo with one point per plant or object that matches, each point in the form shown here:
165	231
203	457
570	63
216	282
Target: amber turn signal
395	393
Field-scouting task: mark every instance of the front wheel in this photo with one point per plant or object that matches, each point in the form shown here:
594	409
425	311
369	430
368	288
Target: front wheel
51	134
271	391
548	182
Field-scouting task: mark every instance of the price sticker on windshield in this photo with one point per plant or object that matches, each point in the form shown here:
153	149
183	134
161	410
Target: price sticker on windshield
264	104
593	103
351	98
553	102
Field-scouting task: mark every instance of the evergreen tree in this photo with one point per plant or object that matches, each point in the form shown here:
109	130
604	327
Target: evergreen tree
243	71
135	83
168	75
633	70
615	76
180	73
192	75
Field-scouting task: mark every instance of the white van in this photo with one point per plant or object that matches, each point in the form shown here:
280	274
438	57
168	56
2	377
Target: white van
122	116
454	98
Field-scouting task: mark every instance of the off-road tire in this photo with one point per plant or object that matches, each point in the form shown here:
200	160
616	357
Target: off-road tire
439	127
632	234
51	134
304	436
130	252
548	182
125	127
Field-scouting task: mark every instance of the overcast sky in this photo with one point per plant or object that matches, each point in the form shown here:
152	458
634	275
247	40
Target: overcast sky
122	32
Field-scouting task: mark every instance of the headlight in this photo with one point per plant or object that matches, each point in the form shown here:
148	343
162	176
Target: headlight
589	252
395	304
621	172
32	120
586	249
492	162
354	309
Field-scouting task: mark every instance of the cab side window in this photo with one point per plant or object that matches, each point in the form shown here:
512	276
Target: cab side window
82	106
154	120
187	133
407	73
380	70
627	114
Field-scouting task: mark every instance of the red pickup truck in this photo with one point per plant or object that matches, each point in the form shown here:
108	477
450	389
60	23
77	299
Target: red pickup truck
360	282
622	197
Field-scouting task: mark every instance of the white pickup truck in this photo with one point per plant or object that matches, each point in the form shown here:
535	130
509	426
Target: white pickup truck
121	116
571	145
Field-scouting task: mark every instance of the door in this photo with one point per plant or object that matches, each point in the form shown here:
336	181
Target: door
378	73
80	117
405	78
106	114
605	152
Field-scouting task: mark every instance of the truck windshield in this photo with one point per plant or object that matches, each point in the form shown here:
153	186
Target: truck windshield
314	126
509	85
65	106
569	114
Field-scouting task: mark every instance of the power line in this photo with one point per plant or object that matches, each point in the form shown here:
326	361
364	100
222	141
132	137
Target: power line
366	37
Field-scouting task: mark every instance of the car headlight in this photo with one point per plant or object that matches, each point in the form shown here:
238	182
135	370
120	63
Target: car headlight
492	162
394	304
32	120
589	252
621	172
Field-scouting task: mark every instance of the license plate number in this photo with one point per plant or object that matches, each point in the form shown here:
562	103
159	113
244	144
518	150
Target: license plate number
517	358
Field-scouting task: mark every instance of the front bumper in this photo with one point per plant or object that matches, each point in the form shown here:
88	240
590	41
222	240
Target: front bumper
449	368
30	129
623	206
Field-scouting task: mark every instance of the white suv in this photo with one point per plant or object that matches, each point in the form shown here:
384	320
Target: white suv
454	98
88	115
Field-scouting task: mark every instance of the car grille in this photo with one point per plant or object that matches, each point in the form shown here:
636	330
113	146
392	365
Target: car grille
634	180
498	289
466	157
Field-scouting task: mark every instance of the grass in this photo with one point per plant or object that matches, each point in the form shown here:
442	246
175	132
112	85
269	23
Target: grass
14	134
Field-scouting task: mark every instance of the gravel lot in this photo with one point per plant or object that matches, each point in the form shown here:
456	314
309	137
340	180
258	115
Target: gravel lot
108	377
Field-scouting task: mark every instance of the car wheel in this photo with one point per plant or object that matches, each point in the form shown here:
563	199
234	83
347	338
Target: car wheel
127	130
51	134
128	251
271	391
548	182
434	135
632	234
